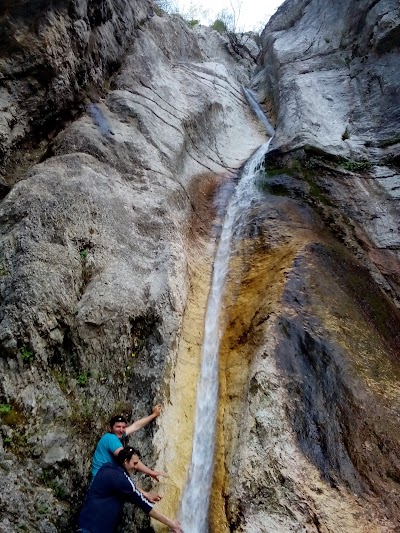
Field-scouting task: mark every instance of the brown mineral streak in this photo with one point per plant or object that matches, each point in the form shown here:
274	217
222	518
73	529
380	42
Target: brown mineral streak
258	295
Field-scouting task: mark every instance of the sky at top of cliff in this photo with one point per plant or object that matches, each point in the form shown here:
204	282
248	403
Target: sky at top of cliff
249	14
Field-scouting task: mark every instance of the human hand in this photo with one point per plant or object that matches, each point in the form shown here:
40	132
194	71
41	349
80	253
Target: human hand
157	409
176	527
153	497
155	475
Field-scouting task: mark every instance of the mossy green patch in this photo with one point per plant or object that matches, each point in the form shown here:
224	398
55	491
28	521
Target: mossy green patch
390	141
62	380
359	317
11	415
315	190
355	166
280	171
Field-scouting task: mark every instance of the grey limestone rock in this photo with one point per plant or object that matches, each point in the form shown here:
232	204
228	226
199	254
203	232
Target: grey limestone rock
94	273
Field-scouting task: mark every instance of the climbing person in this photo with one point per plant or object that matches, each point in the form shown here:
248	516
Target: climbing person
112	443
112	486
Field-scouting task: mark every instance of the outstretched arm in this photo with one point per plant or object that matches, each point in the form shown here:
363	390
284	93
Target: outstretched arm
153	497
173	524
139	424
140	467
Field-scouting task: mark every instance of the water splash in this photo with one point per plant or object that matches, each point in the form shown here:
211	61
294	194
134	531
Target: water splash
196	497
258	111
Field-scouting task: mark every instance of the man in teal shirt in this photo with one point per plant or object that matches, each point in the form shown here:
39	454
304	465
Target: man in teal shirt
112	443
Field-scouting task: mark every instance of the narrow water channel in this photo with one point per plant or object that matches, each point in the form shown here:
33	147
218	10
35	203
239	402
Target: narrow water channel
196	496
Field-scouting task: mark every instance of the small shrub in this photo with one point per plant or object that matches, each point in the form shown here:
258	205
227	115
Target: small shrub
83	254
17	444
47	477
59	491
42	509
219	26
86	274
27	355
82	379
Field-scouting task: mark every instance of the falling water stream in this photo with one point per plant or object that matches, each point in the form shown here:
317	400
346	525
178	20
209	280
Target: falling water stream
258	111
195	500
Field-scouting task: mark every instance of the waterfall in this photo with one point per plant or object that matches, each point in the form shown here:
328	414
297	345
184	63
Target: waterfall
258	111
195	501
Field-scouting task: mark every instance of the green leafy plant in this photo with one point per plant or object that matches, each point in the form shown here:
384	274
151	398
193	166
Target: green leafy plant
27	355
17	443
83	254
83	378
219	26
59	491
5	408
42	509
48	479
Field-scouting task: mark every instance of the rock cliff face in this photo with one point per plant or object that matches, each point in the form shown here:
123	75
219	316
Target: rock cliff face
313	442
121	134
98	238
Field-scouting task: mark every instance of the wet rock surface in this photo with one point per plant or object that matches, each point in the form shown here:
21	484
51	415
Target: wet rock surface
328	364
310	394
328	76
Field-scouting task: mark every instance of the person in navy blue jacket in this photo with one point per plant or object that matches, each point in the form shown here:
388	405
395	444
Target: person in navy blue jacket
110	489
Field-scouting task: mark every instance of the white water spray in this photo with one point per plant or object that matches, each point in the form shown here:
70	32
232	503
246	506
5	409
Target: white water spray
196	497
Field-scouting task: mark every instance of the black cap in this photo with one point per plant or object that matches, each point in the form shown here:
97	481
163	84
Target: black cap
118	418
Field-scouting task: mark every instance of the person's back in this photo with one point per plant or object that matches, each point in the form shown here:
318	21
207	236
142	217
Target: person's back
107	493
110	488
